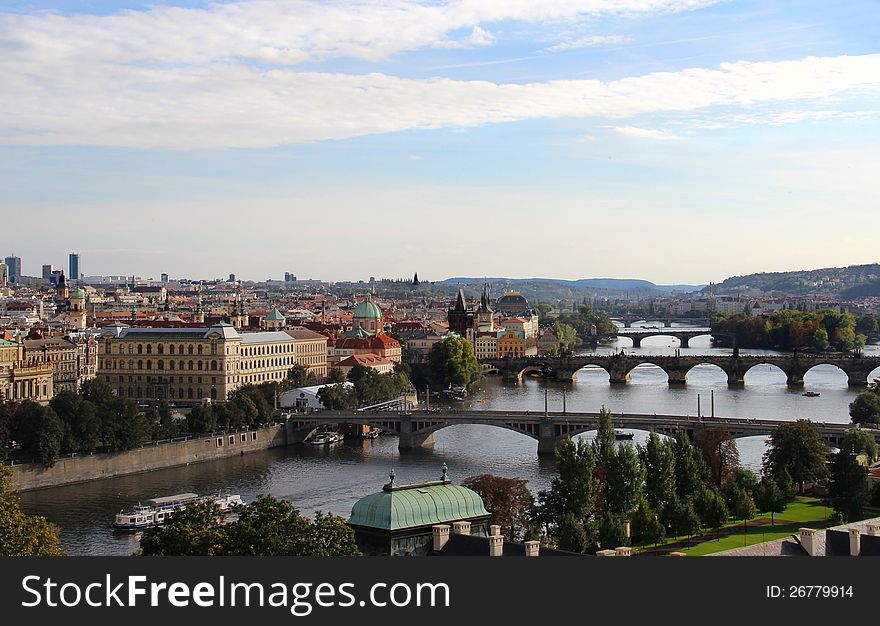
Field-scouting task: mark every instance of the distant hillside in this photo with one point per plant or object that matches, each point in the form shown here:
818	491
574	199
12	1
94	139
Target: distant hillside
829	281
552	289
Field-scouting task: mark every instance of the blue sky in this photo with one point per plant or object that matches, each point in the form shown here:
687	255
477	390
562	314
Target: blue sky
672	140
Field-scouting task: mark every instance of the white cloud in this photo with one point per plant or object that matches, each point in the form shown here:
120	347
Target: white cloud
414	157
231	104
593	41
644	133
478	37
289	31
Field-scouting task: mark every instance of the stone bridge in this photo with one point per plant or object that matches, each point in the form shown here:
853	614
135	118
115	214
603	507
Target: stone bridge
417	428
684	335
619	366
629	320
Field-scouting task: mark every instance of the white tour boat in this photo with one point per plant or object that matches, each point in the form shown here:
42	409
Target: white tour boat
157	511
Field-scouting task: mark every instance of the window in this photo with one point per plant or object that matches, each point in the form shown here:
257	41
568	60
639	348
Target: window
253	436
219	442
149	349
161	349
171	349
189	349
244	438
231	440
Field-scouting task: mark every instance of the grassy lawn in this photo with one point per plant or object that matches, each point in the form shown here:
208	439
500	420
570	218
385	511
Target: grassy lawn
802	511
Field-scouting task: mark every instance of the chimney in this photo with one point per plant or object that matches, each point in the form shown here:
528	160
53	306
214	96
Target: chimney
808	540
461	528
441	536
623	551
628	528
606	553
496	545
533	548
495	530
855	543
873	529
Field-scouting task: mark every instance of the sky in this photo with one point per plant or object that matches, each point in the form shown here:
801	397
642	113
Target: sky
678	141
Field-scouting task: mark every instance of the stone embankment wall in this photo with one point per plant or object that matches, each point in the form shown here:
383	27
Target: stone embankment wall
151	457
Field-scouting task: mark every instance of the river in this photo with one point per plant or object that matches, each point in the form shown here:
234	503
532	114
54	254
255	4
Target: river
333	479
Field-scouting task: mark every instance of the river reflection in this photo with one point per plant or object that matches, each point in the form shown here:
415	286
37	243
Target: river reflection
333	479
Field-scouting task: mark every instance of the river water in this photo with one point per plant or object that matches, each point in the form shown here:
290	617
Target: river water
333	479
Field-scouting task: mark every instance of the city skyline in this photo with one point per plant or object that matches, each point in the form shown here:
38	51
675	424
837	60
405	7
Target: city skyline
676	141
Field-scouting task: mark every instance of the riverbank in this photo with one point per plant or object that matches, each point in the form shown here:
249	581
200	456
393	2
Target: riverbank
149	457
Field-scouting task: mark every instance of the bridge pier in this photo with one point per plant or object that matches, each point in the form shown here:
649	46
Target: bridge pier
409	439
857	379
546	437
637	341
616	377
685	341
794	379
677	377
667	324
627	323
735	379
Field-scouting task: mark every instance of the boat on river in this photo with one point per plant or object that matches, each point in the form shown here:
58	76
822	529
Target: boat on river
326	438
157	511
811	394
622	435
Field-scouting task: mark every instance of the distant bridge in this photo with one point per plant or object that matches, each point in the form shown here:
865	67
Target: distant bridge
684	335
417	428
619	366
629	320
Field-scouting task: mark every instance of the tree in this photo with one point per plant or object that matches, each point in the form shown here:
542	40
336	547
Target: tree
201	419
646	527
453	362
337	397
624	483
566	338
612	531
820	339
769	498
712	509
566	510
273	527
690	469
39	431
848	490
720	454
507	499
122	426
743	508
659	463
865	409
857	441
798	448
685	518
197	530
20	534
300	376
605	443
336	375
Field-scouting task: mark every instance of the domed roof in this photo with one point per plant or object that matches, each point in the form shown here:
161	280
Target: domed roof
77	294
368	309
398	507
275	316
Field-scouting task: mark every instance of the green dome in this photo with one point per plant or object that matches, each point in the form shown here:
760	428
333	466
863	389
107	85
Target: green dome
275	316
77	294
413	506
368	309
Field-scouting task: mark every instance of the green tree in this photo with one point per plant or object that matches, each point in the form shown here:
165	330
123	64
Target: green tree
453	362
865	409
769	498
690	469
857	441
300	376
331	536
685	518
20	534
572	535
659	462
624	483
848	490
798	448
336	375
712	509
39	431
201	419
743	508
646	527
567	508
820	339
567	339
612	531
507	499
197	530
337	397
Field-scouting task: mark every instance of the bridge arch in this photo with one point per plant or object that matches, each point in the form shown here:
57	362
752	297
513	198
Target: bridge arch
513	427
590	370
707	373
873	375
773	372
647	375
831	371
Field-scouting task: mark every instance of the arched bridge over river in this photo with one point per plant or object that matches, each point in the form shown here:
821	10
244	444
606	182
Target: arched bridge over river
417	428
620	365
